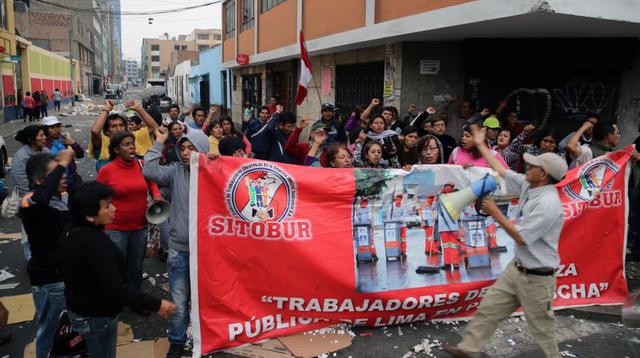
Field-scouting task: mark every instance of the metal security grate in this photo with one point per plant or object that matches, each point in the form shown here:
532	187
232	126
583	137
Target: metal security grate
357	84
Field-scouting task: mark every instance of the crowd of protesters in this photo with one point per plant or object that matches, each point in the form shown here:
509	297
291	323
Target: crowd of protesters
86	250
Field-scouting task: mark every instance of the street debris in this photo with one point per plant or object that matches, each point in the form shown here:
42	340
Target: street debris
425	346
568	354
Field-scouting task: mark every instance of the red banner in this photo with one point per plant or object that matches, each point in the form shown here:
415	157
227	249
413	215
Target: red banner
279	249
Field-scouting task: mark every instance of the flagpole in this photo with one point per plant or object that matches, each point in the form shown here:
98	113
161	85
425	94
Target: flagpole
313	78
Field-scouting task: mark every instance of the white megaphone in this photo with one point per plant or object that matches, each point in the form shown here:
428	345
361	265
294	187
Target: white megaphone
158	212
452	204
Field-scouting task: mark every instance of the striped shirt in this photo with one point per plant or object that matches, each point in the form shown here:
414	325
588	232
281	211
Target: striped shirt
539	223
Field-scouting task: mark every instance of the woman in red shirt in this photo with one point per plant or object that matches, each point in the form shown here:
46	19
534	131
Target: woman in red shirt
124	175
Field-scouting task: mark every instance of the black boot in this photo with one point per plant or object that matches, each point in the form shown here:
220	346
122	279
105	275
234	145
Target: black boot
175	351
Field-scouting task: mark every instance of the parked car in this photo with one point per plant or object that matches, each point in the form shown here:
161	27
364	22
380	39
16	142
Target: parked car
112	91
165	103
4	157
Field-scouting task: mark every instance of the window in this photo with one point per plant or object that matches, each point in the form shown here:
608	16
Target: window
203	36
155	69
183	47
229	18
217	37
155	58
266	5
155	47
248	12
176	47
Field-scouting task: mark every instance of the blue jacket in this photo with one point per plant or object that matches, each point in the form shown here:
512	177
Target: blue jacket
268	143
253	127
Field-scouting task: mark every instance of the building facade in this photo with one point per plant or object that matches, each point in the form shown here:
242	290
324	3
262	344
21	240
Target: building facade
552	61
79	28
205	38
205	79
156	56
131	70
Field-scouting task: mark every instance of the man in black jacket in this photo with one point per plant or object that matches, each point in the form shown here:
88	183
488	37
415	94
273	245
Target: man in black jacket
44	215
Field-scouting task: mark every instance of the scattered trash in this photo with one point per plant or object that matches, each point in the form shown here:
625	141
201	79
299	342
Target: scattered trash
366	334
511	342
400	331
426	346
408	355
152	281
568	354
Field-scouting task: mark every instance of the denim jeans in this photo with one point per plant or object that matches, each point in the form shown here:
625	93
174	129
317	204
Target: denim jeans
180	294
25	243
133	245
49	302
164	236
100	333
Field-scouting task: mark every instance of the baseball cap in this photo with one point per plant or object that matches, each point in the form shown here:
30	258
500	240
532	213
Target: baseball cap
491	122
328	107
319	125
552	163
50	121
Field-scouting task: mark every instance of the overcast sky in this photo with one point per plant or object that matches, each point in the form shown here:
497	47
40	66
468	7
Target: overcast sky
135	28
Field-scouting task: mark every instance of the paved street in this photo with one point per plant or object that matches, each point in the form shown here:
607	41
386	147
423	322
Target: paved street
581	333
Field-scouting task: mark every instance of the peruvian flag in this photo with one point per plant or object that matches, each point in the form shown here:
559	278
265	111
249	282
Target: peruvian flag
305	72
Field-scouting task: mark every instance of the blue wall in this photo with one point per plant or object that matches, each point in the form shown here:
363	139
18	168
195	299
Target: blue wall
211	64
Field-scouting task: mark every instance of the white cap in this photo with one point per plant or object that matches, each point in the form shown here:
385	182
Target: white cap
50	121
551	163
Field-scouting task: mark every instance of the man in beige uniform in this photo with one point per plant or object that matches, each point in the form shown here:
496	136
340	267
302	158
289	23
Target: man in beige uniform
529	279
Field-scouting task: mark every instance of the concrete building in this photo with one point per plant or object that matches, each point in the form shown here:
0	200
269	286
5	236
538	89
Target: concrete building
552	61
52	27
178	84
131	70
205	79
156	55
9	68
205	38
156	59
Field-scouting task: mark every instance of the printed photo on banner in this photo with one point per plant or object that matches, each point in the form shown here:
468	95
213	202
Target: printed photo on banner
402	238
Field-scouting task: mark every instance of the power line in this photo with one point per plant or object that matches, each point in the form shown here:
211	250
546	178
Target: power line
125	13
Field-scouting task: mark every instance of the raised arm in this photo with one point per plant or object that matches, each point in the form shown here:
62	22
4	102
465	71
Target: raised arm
96	129
146	117
479	138
151	168
573	146
367	112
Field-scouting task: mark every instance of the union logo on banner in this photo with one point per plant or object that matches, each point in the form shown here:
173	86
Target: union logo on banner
261	192
594	178
261	200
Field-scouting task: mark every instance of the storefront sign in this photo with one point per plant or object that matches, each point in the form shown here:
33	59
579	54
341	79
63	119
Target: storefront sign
429	67
242	59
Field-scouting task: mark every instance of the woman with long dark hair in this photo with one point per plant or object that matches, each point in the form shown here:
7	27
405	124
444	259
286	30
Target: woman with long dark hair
229	129
169	153
128	229
33	141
